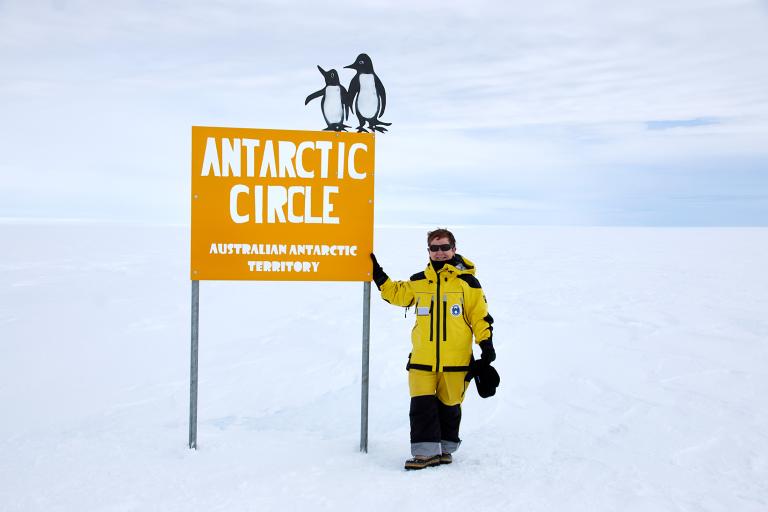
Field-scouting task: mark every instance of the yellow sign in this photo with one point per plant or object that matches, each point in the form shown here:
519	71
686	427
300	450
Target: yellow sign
281	205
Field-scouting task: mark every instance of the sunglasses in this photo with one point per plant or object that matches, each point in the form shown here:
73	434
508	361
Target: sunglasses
442	247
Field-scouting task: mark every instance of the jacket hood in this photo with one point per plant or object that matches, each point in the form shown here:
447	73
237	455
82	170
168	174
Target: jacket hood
462	265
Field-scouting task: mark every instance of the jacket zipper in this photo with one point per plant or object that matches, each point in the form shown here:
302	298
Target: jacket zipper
437	326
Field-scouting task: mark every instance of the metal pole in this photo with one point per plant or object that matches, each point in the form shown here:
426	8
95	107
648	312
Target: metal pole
193	367
366	351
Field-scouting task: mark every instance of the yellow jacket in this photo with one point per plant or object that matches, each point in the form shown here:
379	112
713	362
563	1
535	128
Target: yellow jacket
450	309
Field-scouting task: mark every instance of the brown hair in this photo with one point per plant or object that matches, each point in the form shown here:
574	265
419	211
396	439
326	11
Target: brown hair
441	233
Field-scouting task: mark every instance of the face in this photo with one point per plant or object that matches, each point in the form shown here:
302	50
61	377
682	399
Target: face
441	255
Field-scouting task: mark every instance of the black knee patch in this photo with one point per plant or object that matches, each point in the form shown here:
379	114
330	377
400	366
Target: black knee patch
425	420
450	419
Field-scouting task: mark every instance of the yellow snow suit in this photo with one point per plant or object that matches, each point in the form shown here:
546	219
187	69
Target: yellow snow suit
450	309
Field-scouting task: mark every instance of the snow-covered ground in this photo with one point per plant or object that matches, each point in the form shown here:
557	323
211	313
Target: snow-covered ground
634	368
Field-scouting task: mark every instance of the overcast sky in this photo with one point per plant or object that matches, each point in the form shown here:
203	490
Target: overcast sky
556	112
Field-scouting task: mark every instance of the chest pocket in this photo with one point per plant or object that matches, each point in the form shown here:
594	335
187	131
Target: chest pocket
425	303
425	312
452	310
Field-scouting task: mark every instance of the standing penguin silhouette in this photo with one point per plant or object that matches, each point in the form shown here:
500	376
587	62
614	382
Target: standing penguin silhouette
367	96
334	103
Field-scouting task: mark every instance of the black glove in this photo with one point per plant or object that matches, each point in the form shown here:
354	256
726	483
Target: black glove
487	353
379	276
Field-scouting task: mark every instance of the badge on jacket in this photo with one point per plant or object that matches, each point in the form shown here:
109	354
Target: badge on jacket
456	310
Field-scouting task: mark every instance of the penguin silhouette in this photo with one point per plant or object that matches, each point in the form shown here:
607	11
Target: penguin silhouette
334	103
367	96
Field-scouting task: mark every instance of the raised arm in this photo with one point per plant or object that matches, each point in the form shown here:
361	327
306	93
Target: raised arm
397	293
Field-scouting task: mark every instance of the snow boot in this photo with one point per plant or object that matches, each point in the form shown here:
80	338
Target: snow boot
446	458
421	462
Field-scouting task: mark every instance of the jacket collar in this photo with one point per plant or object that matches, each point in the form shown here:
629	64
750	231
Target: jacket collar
460	265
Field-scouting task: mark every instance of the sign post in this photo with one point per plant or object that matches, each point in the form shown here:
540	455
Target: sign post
366	353
193	366
281	205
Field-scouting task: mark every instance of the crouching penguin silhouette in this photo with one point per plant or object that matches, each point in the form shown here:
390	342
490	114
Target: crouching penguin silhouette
334	104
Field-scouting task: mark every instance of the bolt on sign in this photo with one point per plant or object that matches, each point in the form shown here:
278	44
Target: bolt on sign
281	205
